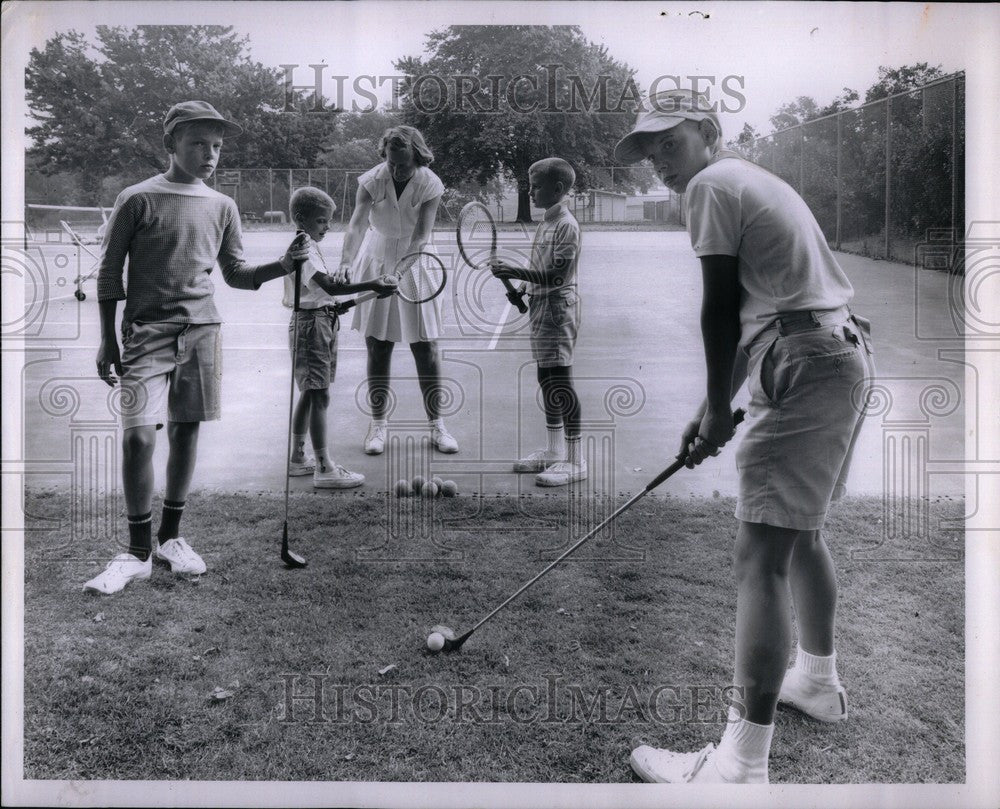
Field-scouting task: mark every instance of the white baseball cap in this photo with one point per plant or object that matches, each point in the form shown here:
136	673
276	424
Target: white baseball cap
663	111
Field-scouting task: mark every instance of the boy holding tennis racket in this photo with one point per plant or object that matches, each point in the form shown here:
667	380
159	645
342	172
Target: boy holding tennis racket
315	325
774	311
173	229
554	315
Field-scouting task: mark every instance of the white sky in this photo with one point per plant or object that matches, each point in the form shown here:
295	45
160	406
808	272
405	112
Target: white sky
784	50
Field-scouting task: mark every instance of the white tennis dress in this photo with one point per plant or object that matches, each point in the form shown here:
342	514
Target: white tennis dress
390	231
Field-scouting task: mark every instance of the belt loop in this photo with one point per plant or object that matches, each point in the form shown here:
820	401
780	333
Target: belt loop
781	326
814	318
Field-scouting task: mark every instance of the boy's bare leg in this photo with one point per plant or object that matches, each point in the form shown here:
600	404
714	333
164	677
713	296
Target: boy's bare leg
814	592
318	403
379	364
138	444
300	416
763	615
183	438
428	362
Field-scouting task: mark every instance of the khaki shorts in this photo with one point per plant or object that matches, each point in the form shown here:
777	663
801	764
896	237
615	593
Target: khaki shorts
555	320
316	355
808	389
177	362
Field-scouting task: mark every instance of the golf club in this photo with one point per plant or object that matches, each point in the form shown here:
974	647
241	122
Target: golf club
453	643
288	556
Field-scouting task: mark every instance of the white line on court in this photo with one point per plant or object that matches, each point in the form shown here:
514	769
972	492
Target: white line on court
500	325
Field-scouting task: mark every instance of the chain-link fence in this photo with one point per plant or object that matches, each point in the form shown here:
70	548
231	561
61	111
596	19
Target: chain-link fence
614	194
879	177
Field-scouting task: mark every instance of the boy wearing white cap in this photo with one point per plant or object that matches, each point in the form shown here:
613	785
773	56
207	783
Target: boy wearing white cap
173	229
774	312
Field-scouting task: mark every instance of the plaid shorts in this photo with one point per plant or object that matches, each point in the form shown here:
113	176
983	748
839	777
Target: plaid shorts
179	362
555	319
316	355
809	376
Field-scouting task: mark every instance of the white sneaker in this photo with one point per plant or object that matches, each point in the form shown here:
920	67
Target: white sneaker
181	556
299	468
443	441
375	440
822	701
537	461
562	474
656	766
120	571
336	477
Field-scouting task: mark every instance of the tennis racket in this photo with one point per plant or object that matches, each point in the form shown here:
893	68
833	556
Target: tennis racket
420	277
476	231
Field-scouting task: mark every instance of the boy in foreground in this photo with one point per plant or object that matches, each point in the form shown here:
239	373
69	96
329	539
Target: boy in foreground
316	352
554	316
173	229
774	311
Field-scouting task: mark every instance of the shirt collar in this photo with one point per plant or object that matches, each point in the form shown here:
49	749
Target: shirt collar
555	211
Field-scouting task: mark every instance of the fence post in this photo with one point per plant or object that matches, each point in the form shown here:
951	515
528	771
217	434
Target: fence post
888	174
954	156
840	201
270	189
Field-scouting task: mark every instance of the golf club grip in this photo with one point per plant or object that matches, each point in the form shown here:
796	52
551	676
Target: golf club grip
297	265
515	296
738	416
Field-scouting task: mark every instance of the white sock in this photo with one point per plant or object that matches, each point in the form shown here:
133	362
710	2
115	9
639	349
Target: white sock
555	439
436	423
298	444
744	750
820	669
380	422
323	462
573	450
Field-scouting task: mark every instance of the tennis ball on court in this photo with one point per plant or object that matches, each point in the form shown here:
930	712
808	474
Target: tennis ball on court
418	483
435	641
403	488
449	488
439	482
429	489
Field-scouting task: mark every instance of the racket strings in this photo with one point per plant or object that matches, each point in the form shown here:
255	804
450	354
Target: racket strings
421	280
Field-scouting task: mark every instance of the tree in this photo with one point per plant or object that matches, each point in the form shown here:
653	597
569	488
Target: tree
491	100
100	106
893	80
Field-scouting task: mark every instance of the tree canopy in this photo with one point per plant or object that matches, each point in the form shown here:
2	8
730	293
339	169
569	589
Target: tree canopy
494	99
99	106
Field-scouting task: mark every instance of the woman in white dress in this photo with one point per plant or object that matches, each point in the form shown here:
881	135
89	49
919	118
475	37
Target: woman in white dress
394	215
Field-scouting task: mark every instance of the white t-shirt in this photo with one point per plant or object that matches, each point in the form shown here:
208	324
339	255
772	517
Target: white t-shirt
311	295
736	208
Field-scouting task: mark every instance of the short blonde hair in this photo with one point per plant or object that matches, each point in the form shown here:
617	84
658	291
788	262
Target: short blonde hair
555	168
308	201
403	137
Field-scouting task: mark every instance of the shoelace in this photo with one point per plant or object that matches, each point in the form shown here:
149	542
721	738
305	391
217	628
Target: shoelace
183	550
699	761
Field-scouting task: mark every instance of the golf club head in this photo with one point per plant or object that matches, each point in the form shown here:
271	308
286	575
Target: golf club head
289	557
451	642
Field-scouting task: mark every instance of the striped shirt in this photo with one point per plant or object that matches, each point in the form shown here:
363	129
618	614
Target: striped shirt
172	234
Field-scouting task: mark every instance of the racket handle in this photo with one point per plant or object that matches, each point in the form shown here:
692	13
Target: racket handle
515	296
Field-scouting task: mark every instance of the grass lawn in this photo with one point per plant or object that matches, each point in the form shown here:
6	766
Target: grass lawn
258	672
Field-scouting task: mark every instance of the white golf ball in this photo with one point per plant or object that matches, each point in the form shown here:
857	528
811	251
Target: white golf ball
435	641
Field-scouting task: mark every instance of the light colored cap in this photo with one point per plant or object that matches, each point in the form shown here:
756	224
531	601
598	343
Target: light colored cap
187	111
663	111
